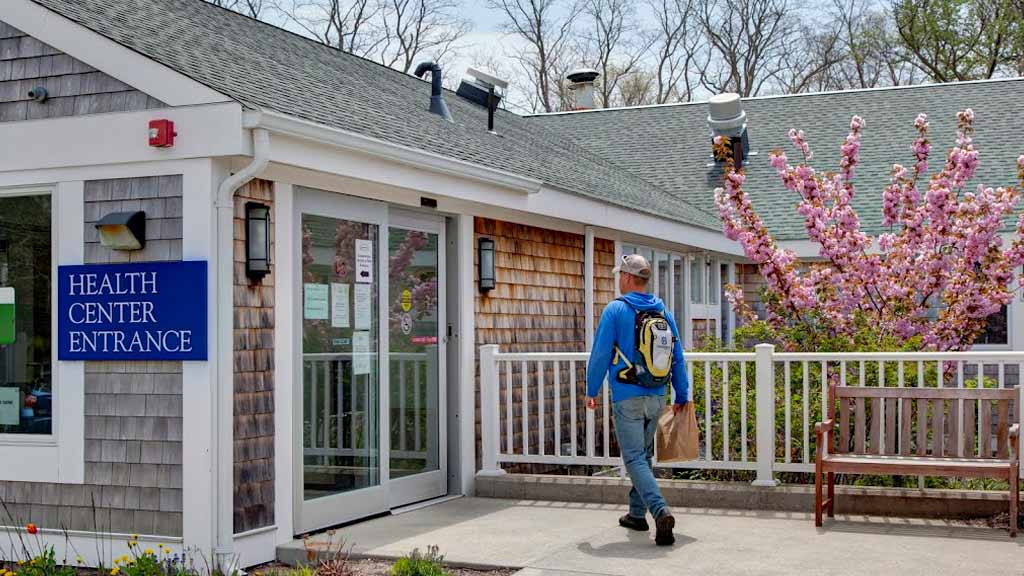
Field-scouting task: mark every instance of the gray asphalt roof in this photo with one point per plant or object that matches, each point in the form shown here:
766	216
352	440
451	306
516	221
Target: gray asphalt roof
670	145
268	67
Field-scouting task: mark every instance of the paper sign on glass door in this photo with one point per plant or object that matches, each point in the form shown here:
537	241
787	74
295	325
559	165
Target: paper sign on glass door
339	306
361	352
10	406
364	260
315	302
363	307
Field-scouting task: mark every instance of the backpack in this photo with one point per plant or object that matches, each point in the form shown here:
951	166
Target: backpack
654	344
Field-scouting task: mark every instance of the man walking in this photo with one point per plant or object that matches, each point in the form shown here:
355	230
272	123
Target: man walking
637	346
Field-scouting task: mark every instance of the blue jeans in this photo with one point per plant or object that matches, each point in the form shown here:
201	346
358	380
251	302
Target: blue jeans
636	420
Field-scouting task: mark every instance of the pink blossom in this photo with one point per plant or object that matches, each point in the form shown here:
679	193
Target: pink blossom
944	245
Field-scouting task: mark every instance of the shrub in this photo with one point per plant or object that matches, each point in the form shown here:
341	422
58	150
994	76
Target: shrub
416	564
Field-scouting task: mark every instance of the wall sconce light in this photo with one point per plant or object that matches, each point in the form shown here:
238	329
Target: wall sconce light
123	230
257	240
485	250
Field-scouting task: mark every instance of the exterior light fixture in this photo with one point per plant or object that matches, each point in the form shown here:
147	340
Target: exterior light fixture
257	240
123	230
485	250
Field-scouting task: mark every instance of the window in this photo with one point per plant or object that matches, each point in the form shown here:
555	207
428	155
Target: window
697	280
26	370
996	332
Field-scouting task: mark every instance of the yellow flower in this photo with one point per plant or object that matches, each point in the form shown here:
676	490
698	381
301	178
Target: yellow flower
115	571
148	552
79	560
117	561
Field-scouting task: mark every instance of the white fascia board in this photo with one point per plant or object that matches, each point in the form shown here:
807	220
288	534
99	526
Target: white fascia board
128	66
284	124
121	137
301	145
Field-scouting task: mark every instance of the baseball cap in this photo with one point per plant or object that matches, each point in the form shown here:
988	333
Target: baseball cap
634	264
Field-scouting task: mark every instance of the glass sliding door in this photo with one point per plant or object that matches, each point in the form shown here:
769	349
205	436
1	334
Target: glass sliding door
370	390
340	471
416	344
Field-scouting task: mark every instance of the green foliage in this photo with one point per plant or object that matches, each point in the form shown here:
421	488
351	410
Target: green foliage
417	564
954	40
44	564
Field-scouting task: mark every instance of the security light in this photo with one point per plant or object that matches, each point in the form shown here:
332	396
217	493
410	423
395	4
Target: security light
123	230
257	240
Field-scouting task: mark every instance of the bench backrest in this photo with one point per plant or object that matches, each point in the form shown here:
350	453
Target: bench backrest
941	422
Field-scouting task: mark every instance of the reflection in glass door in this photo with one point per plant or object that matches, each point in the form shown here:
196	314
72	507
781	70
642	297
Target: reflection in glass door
339	343
415	345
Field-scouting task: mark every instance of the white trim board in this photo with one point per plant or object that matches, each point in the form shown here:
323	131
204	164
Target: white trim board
309	153
134	69
121	137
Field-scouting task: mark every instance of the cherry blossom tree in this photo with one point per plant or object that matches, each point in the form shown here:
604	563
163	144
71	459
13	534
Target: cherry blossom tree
929	282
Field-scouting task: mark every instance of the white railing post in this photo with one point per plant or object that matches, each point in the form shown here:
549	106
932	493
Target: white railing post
490	433
765	416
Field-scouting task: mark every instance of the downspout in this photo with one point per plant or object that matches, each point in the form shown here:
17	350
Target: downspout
223	414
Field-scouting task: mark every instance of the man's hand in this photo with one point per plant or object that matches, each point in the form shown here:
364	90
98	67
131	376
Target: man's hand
677	408
591	403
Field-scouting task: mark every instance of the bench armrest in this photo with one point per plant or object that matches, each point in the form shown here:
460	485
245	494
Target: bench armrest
825	426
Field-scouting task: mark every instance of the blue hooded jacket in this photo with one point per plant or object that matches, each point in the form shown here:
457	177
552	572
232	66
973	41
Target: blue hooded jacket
617	327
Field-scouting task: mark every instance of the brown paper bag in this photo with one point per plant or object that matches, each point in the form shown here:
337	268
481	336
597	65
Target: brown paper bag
678	439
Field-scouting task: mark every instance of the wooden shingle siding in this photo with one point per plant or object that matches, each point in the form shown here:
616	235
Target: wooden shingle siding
254	377
74	88
133	410
538	305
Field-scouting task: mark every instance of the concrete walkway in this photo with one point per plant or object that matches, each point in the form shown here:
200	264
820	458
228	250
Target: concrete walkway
564	539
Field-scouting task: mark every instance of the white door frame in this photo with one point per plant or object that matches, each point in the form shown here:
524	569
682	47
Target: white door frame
387	494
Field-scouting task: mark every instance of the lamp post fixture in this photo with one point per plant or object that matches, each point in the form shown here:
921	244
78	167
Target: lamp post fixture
485	249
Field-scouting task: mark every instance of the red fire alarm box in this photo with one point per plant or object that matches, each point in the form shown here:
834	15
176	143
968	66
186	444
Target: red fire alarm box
161	133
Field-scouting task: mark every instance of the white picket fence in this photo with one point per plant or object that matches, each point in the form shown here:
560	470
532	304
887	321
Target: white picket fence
786	391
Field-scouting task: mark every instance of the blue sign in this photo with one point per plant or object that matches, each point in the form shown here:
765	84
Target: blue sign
142	311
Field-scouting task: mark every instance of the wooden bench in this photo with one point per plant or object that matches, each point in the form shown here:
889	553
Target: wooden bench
917	432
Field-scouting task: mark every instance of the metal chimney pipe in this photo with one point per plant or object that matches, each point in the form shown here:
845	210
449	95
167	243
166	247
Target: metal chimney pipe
437	103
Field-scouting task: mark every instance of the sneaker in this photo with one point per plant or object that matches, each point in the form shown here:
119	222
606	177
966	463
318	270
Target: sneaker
664	525
634	523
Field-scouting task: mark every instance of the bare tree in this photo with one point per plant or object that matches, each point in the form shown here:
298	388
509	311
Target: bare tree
348	25
874	53
675	45
612	44
546	27
252	8
413	28
747	41
810	65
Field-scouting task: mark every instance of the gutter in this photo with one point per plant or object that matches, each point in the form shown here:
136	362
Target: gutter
299	128
223	412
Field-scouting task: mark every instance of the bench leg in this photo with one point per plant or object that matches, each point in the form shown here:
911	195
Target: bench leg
1014	498
831	494
817	496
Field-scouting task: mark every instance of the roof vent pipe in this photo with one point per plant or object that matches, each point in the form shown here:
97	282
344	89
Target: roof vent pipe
581	83
437	103
726	117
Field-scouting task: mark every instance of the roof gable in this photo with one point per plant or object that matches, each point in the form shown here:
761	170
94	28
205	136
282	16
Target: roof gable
73	87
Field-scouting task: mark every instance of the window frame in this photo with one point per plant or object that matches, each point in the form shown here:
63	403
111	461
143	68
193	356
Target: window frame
60	455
